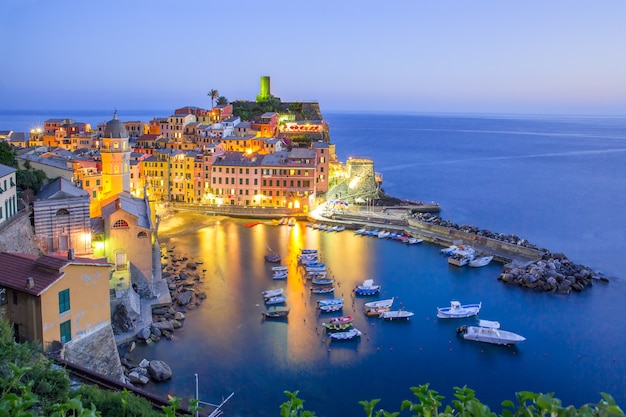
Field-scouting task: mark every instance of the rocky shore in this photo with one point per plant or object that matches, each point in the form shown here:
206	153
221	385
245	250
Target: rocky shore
183	277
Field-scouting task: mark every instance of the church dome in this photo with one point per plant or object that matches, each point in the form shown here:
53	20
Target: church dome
115	128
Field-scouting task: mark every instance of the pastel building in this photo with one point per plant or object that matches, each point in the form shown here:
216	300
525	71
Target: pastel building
8	193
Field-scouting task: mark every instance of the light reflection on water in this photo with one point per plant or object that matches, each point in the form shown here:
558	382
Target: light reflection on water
233	349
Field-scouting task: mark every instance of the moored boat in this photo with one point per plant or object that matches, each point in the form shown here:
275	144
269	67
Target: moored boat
331	308
322	281
346	335
272	257
341	319
379	303
367	288
330	301
376	311
480	261
273	292
324	289
275	314
337	327
414	240
396	315
456	310
277	299
489	332
279	275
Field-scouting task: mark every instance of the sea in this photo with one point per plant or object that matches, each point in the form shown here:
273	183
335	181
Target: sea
557	181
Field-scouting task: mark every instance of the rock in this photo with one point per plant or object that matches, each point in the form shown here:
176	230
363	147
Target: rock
135	378
184	297
159	371
179	315
163	326
143	334
144	363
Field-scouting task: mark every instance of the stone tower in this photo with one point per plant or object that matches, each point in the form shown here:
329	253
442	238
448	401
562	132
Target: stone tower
115	153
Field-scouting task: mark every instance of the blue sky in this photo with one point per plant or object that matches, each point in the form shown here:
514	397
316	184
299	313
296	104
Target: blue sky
492	56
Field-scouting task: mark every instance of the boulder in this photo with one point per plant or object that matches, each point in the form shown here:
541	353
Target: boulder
159	371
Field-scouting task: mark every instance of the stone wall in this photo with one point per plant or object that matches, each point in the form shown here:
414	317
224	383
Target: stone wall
17	235
96	351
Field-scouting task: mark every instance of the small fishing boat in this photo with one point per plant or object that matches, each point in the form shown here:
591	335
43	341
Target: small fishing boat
379	303
291	221
279	275
273	258
279	268
322	281
376	311
272	293
480	261
331	308
337	327
330	301
275	314
347	335
341	319
457	311
325	289
367	288
414	240
396	315
277	299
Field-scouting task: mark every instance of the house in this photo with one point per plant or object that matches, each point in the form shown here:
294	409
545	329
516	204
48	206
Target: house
8	193
61	217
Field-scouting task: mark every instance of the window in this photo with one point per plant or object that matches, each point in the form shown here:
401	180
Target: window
97	182
63	212
120	224
142	234
3	296
66	331
64	301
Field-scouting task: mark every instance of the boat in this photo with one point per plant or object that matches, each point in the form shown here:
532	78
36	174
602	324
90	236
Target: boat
272	293
341	319
347	335
275	314
360	231
323	289
396	315
340	228
272	257
449	250
279	275
291	221
376	311
379	303
457	311
480	261
277	299
414	240
337	327
330	308
330	301
367	288
489	332
383	234
322	281
251	224
283	221
461	256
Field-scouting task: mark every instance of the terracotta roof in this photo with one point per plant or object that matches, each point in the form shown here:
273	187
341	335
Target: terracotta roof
44	270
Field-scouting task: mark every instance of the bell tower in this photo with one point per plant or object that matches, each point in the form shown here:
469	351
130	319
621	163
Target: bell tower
115	153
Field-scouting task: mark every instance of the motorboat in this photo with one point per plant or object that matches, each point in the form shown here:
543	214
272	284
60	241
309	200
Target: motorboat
396	315
322	281
291	221
279	275
367	288
461	256
449	250
414	240
277	299
379	303
279	268
489	332
324	289
330	301
341	319
480	261
337	327
331	308
376	311
457	311
383	234
272	293
345	335
275	314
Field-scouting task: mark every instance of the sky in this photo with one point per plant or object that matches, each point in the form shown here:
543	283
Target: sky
425	56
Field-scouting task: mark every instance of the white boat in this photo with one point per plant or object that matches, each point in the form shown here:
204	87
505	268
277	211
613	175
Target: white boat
340	228
461	256
449	250
379	303
279	299
367	288
396	315
360	231
347	335
330	301
279	275
383	234
414	240
272	293
291	221
457	311
281	268
489	332
331	307
480	261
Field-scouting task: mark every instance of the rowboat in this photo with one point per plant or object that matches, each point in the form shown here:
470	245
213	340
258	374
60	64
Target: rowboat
341	320
275	314
379	303
277	299
347	335
337	327
396	315
376	311
273	292
323	289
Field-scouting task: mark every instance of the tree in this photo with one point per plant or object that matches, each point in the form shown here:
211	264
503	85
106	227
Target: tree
222	101
213	94
7	154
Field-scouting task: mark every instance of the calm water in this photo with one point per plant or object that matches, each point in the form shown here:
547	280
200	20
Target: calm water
560	183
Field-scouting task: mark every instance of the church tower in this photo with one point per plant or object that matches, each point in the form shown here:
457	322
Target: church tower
115	153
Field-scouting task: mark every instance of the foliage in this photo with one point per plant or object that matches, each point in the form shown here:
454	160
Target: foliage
31	179
222	101
7	154
302	141
48	384
213	94
116	403
465	404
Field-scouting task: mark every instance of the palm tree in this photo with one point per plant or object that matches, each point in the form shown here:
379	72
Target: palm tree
213	94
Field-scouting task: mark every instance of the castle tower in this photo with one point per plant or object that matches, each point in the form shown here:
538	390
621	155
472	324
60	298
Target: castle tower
265	93
115	154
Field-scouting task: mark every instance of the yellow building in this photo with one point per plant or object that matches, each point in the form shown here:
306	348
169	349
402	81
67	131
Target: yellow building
115	153
49	298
